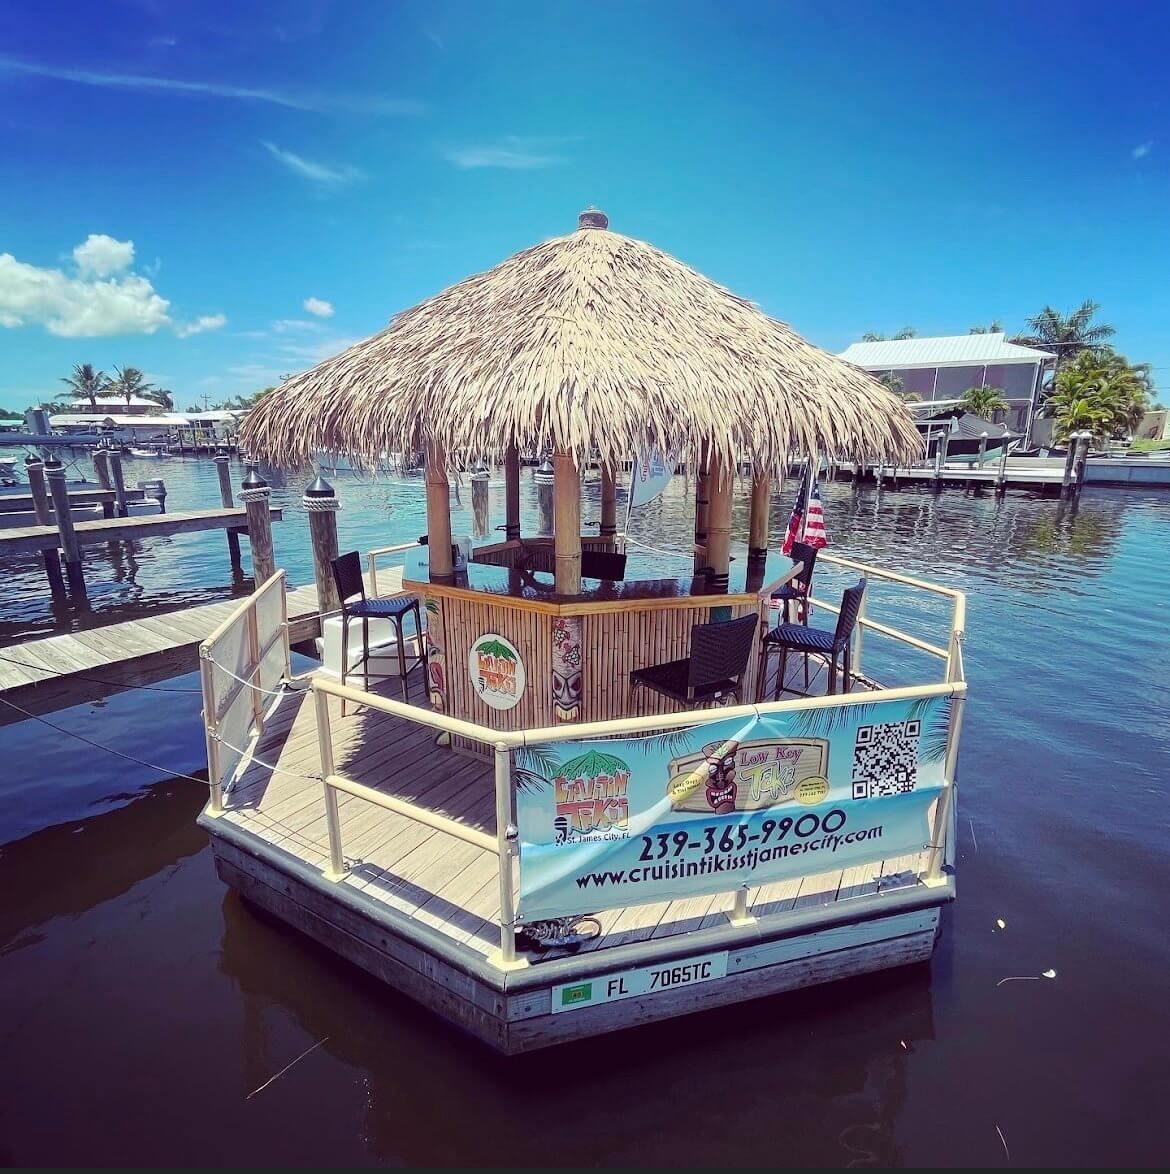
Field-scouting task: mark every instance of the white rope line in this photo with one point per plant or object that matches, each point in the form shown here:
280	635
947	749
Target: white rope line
656	550
253	760
279	691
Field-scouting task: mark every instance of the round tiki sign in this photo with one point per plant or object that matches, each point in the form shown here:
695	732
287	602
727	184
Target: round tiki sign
496	671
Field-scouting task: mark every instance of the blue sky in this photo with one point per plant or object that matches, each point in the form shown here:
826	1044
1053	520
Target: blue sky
849	166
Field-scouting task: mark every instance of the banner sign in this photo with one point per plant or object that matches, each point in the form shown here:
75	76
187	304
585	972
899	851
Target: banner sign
612	822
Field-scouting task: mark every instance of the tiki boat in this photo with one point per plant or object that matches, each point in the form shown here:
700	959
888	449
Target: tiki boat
620	795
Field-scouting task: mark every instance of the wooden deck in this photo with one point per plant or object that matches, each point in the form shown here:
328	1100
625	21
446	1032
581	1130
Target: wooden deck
30	539
433	931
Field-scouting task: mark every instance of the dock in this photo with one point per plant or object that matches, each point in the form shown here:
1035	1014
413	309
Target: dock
16	503
1047	480
30	539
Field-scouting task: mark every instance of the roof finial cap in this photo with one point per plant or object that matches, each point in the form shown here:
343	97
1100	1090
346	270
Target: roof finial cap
592	218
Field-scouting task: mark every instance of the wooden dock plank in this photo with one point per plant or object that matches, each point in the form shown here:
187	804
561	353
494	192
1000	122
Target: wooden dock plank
28	539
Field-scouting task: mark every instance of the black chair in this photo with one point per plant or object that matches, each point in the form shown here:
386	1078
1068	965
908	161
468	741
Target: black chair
347	574
603	564
801	638
799	589
715	668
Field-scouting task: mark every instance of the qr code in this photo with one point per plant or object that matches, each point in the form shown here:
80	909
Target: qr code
885	759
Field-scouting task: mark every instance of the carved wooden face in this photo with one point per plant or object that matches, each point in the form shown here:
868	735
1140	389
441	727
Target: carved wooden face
566	687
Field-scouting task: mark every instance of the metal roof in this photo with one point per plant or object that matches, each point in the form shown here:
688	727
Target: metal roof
955	350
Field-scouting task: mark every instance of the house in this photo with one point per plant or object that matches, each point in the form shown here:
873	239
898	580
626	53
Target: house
940	370
114	404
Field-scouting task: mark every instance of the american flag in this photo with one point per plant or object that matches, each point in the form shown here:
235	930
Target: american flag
815	534
811	530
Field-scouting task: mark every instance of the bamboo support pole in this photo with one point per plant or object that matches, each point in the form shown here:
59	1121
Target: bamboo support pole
702	508
70	548
512	494
608	528
761	503
438	513
567	523
34	468
719	525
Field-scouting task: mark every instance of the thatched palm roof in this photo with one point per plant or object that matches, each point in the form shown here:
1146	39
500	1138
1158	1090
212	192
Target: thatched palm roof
592	340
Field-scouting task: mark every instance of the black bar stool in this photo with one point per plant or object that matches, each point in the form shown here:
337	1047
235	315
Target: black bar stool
351	585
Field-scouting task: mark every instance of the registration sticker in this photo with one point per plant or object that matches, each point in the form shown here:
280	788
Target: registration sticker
644	980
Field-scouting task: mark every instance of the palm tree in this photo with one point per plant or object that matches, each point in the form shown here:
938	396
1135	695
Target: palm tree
162	396
1065	334
995	326
1100	391
894	382
87	382
984	401
905	332
130	382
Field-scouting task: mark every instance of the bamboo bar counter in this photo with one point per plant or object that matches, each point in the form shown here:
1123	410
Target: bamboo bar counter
575	652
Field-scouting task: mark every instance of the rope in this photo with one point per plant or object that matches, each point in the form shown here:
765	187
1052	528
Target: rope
268	765
320	505
249	495
280	691
656	550
93	680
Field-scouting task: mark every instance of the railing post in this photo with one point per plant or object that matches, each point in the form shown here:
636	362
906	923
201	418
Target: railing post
740	915
937	858
506	839
207	681
254	675
284	625
855	651
336	869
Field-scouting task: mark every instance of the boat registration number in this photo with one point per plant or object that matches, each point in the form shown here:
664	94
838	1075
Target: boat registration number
643	980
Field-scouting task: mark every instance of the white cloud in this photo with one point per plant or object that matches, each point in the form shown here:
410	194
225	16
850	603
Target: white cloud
344	103
295	325
100	297
513	153
318	306
319	173
101	255
1142	149
202	323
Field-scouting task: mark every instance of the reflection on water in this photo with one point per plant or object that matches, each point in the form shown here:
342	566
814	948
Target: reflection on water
143	1003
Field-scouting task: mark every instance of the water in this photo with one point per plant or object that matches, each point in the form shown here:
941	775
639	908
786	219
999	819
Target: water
143	1002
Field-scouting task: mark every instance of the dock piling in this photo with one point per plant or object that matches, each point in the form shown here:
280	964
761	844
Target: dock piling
115	461
1084	439
1069	464
321	504
34	468
608	527
101	468
254	493
70	548
512	494
481	520
1001	476
224	473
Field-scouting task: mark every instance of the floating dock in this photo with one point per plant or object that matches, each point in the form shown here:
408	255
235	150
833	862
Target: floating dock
400	855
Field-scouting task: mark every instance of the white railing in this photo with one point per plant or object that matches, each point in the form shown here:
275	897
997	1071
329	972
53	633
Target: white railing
380	552
248	655
240	664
